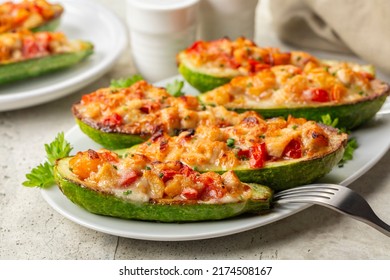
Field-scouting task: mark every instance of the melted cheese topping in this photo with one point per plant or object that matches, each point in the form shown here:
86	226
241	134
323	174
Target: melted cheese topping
289	86
253	143
23	45
226	58
143	109
27	14
138	178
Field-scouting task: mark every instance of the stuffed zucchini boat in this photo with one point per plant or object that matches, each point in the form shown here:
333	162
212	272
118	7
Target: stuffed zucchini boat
338	90
35	15
122	117
139	188
209	64
275	152
25	54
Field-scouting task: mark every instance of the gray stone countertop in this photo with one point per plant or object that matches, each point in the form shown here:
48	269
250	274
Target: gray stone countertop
31	229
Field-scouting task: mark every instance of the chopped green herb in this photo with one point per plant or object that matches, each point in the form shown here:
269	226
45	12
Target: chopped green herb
161	175
147	168
327	120
186	118
42	176
126	82
294	127
299	58
175	88
361	92
196	169
262	136
127	192
249	85
230	142
352	145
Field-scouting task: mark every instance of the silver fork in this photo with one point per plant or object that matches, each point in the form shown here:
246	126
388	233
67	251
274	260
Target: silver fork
336	197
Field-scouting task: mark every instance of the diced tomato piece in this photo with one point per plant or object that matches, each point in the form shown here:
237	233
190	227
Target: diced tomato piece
190	194
130	177
258	155
256	66
187	171
243	154
113	120
30	47
293	149
38	9
43	39
316	95
196	47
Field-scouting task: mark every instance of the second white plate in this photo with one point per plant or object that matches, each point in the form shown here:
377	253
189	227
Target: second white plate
109	37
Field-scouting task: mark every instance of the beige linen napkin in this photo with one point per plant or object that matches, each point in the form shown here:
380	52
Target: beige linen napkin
358	26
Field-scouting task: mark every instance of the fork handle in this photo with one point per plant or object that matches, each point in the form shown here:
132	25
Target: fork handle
376	223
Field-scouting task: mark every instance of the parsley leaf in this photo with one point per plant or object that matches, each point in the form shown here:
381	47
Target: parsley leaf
175	88
42	176
327	120
352	145
126	82
59	148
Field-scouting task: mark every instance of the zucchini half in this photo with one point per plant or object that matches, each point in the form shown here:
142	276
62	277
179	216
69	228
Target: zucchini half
282	174
162	211
12	72
350	115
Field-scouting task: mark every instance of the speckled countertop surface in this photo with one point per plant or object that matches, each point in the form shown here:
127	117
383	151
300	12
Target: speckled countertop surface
31	229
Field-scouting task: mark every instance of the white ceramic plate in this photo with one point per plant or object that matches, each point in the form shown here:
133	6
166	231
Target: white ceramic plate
109	37
372	138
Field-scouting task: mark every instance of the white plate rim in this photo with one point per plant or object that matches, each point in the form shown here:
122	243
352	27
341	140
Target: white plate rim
42	95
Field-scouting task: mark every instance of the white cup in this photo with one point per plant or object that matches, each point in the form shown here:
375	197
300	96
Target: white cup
158	31
231	18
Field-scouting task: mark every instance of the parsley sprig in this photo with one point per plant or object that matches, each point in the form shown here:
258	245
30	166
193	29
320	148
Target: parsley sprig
42	176
126	82
175	88
352	143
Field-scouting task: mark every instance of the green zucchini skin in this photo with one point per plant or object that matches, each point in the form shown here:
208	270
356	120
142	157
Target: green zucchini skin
200	81
350	116
51	25
110	140
12	72
109	205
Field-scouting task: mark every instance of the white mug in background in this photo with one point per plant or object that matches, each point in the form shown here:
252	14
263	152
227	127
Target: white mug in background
158	31
231	18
